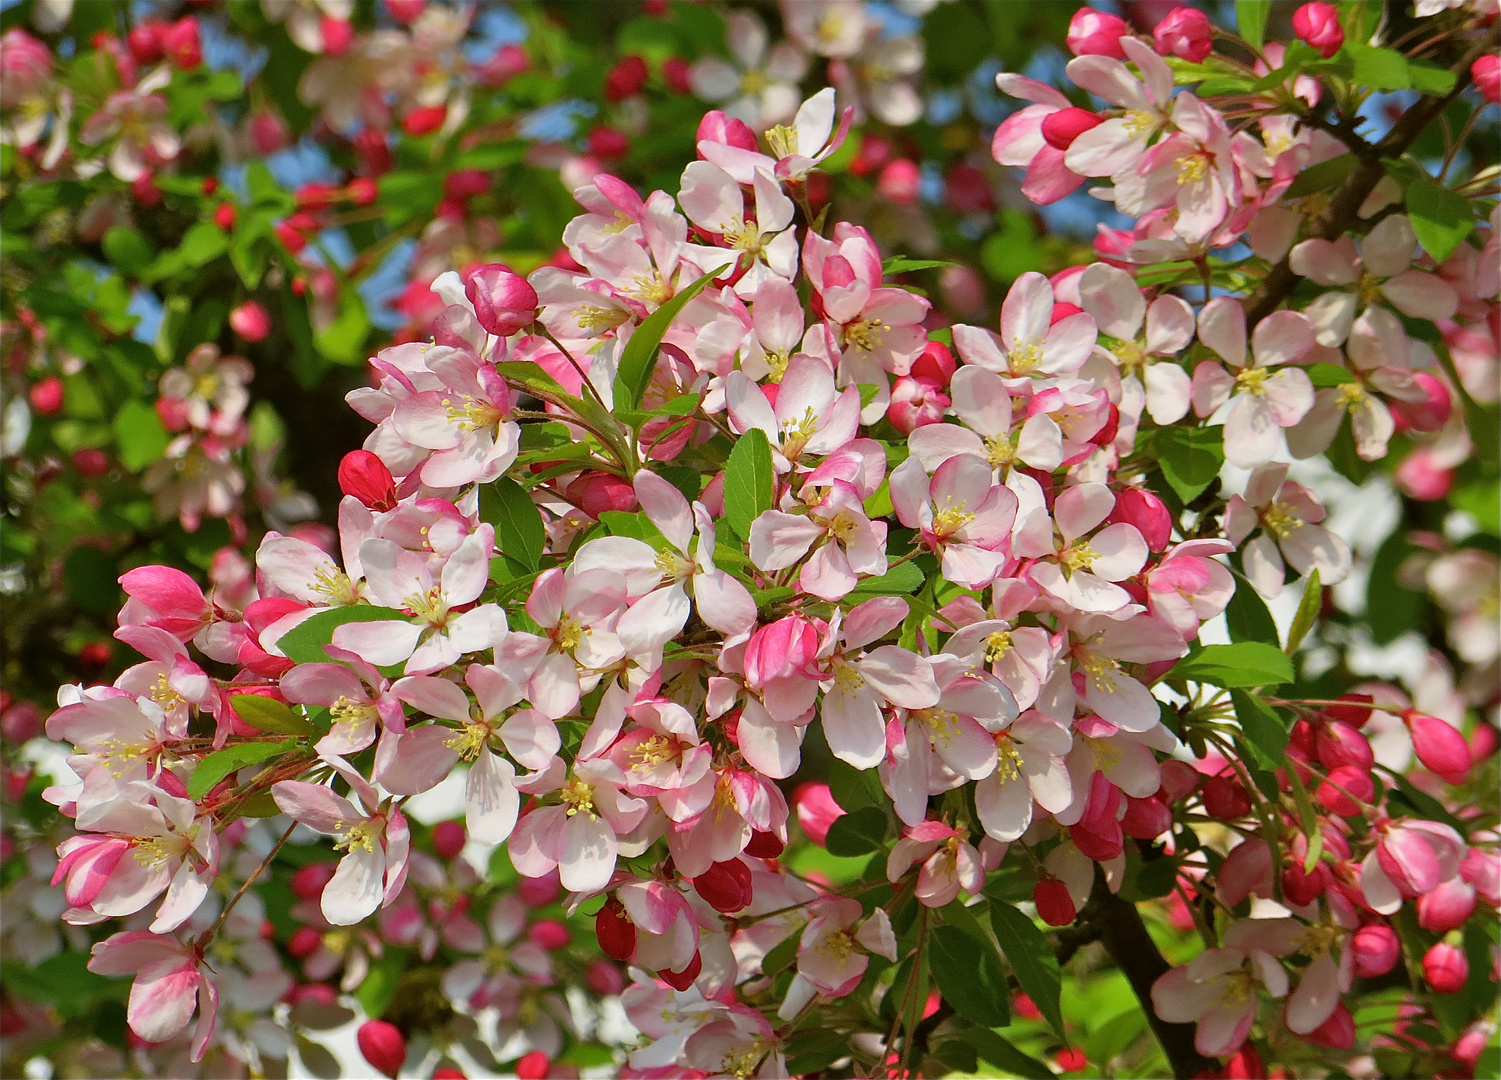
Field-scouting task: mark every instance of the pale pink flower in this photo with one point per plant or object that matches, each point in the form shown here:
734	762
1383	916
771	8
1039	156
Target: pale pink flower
849	543
168	678
136	120
1120	142
962	515
466	423
357	696
1100	646
1382	271
1191	171
578	613
1218	990
124	735
1019	140
1075	568
170	984
879	329
985	407
1288	515
757	249
832	28
578	835
832	953
1189	587
760	86
1030	345
810	417
1030	770
949	862
743	1043
1262	401
498	977
1111	296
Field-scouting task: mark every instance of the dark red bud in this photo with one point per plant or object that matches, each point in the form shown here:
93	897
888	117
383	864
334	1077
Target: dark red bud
366	477
615	931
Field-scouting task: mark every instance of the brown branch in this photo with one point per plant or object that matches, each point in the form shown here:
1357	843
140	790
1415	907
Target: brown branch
1126	939
1337	217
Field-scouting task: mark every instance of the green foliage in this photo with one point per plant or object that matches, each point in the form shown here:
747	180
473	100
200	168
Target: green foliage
749	481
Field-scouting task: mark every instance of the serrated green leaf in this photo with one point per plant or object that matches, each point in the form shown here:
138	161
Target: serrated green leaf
1265	733
1308	612
1441	218
303	644
857	833
1031	959
216	766
268	714
969	976
639	358
749	481
519	531
1250	18
1245	663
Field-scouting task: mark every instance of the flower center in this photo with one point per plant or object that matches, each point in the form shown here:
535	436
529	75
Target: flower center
471	414
594	318
951	519
654	751
1078	556
469	741
837	946
846	678
865	334
796	433
1100	671
579	798
1252	380
673	566
752	82
1008	759
430	607
1131	354
334	586
1193	168
358	837
782	140
1000	450
345	711
117	754
940	724
1370	288
744	237
1139	122
569	634
1280	520
163	694
997	645
1025	357
1351	394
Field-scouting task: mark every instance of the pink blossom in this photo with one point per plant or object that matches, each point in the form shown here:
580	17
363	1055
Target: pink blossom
1318	24
1096	33
1288	515
1185	33
170	984
949	862
1031	344
578	834
962	515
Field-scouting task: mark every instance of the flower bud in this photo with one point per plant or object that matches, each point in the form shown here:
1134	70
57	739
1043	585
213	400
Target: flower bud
1146	819
383	1046
596	492
1421	477
1446	968
1447	907
615	931
607	143
966	190
1246	1064
308	882
91	462
181	44
224	216
1482	869
726	886
681	980
1346	785
936	364
1185	33
1376	950
1337	1032
1439	746
448	839
626	78
508	61
1430	414
304	942
604	978
1094	33
503	302
1340	744
365	476
46	396
533	1066
678	75
424	120
466	183
1071	1058
144	41
1300	888
764	845
1486	72
251	321
780	650
816	810
719	128
1225	798
915	403
1054	903
1061	128
449	1072
1356	713
549	934
1318	25
337	35
405	11
900	181
1139	507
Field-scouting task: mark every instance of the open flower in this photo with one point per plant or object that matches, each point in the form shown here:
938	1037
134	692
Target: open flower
1076	568
170	984
949	862
962	514
1288	515
763	247
760	87
578	835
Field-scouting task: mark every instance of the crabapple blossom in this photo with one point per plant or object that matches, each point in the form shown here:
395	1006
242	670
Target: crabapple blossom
1287	515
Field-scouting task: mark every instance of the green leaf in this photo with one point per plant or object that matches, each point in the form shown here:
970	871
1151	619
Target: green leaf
90	577
203	244
1250	17
1308	612
1440	217
303	644
379	988
128	249
216	766
781	955
1391	608
139	435
1190	458
639	359
969	976
343	340
1264	731
749	481
1247	616
858	833
64	982
519	531
1322	177
268	714
1431	79
1378	68
1324	376
903	580
900	264
1245	663
1031	958
1000	1052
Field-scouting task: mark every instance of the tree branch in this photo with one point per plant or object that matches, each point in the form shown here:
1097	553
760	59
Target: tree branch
1126	940
1336	218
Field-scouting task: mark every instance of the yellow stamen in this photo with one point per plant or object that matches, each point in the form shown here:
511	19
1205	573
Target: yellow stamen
579	797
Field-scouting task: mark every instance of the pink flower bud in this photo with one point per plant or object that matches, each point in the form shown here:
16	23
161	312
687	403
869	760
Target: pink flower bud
1482	869
1054	903
764	845
816	810
503	302
726	886
540	891
915	403
1337	1032
533	1066
966	190
1420	477
366	477
466	183
678	75
1246	1064
936	364
46	396
1146	819
1345	786
784	649
338	34
963	292
450	1072
1061	128
1446	907
1094	33
1340	744
1179	778
424	119
549	934
251	321
1486	72
1318	24
91	462
383	1046
1139	507
405	11
615	931
1432	412
448	839
509	61
308	882
1185	33
900	181
604	978
607	143
1376	950
1301	888
1225	798
596	492
681	980
181	44
1439	746
719	128
626	78
1446	968
304	942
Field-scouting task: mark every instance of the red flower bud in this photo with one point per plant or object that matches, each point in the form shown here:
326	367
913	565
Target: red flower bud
1061	128
1340	744
94	655
681	980
900	182
549	934
91	462
1225	798
726	886
503	302
615	931
1301	888
1185	33
1446	907
596	492
449	1072
1054	903
466	183
1486	72
424	120
1432	412
936	364
915	403
533	1066
46	396
224	216
1094	33
1318	25
1376	950
1446	968
1354	714
1071	1058
626	78
304	942
181	44
145	41
1439	746
1337	1032
290	238
383	1046
1138	507
1146	819
251	321
365	476
1346	785
448	836
405	11
337	35
764	845
606	143
678	75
